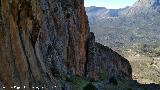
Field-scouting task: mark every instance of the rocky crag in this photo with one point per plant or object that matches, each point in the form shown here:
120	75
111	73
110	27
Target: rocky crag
38	37
102	59
46	44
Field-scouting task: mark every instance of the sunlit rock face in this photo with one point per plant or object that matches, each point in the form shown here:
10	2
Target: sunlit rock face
37	37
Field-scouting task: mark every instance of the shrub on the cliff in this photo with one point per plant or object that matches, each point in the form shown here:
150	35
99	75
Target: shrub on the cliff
129	89
113	81
102	76
89	86
77	82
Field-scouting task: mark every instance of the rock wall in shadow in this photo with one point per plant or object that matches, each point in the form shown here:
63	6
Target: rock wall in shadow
102	60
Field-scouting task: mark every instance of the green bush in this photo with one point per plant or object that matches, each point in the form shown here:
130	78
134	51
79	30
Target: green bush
103	76
129	89
113	81
77	82
89	86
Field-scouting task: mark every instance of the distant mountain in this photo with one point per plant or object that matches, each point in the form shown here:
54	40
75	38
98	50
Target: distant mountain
144	7
147	3
139	23
95	13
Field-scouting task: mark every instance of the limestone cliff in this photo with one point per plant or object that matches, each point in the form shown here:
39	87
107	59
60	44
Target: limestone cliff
39	36
42	38
103	60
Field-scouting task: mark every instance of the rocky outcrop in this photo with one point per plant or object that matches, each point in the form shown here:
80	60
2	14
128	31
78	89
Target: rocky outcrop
40	39
103	60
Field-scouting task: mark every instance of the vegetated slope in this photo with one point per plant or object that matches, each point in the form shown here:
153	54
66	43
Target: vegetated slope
133	31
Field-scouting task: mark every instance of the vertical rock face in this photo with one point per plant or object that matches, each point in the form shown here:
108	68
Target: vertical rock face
103	60
40	38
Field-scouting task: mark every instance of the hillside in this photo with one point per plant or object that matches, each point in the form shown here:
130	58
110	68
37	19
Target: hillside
132	31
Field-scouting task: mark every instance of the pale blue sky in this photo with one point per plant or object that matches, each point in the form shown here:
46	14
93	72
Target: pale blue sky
110	4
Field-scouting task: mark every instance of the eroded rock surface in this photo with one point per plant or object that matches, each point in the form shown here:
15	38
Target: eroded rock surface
103	60
40	36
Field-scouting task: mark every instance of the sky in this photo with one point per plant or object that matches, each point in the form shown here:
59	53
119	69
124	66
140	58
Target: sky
110	4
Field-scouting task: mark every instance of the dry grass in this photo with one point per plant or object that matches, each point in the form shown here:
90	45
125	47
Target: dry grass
145	69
